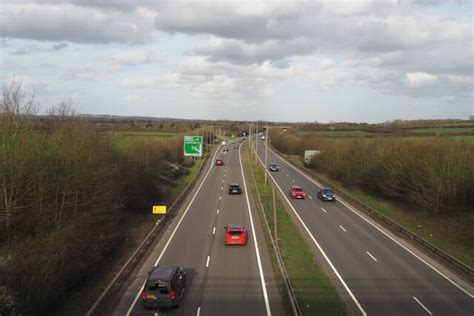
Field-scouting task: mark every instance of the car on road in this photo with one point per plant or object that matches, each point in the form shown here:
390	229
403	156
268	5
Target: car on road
164	287
236	146
225	150
297	192
234	188
219	162
274	167
235	235
326	194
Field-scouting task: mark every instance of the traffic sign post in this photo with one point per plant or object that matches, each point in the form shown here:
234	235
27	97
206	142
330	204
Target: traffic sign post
192	146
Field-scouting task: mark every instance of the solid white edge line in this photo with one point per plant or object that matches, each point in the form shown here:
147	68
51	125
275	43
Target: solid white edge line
207	261
319	247
343	228
260	269
322	209
198	311
380	230
424	307
174	231
370	255
214	230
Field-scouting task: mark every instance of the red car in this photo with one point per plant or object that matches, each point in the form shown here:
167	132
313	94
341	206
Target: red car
297	192
235	235
219	162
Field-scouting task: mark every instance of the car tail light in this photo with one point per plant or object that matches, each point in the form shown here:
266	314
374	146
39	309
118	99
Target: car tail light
144	295
173	295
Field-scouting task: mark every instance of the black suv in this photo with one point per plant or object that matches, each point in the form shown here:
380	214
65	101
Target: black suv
327	194
164	287
234	188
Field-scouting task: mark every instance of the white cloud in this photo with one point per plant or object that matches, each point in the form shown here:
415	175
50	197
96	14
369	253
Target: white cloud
236	53
418	79
74	23
207	79
134	57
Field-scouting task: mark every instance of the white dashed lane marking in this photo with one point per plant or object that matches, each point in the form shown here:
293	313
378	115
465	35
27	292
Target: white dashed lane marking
370	255
424	307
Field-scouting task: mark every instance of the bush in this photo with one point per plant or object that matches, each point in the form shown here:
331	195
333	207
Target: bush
436	176
65	190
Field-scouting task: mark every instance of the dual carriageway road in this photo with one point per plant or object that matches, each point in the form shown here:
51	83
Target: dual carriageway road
375	272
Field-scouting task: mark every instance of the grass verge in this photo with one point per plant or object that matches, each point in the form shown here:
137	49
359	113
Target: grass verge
137	226
453	233
314	292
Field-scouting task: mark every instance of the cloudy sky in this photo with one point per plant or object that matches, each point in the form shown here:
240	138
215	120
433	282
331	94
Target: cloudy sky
361	61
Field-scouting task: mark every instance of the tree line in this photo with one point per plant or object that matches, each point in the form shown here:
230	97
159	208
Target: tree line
436	176
66	192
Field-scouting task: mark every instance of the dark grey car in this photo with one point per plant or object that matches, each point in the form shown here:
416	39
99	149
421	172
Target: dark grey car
164	287
327	194
234	188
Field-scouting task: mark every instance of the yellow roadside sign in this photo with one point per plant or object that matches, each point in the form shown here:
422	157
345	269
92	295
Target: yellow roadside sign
159	209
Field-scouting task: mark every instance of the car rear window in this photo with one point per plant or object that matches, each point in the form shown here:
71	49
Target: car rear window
298	189
235	233
162	289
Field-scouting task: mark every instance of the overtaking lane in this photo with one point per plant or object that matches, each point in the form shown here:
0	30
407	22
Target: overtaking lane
233	284
388	284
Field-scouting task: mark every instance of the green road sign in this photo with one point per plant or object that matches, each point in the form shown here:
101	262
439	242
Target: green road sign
192	146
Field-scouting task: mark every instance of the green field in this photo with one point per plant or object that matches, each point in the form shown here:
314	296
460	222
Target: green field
349	134
444	130
122	138
418	135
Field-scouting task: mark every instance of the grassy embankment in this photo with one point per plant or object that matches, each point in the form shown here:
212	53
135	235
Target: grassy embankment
314	292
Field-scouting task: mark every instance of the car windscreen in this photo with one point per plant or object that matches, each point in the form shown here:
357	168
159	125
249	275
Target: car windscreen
235	233
298	189
327	191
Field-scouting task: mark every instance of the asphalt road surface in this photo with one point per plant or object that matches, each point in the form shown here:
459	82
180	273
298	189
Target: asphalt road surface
233	280
377	271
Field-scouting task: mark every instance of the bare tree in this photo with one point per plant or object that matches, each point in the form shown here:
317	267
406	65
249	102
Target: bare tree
16	109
